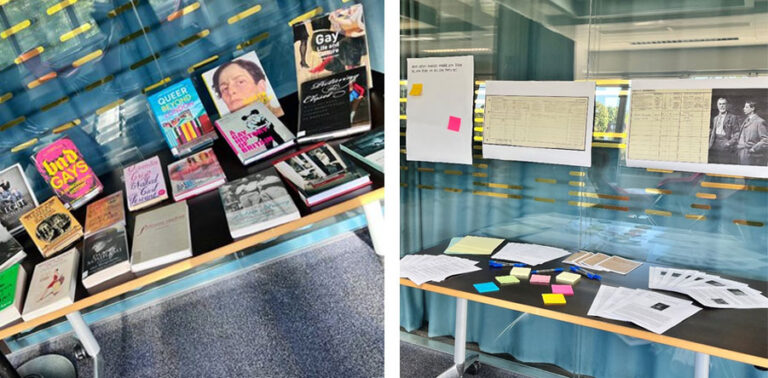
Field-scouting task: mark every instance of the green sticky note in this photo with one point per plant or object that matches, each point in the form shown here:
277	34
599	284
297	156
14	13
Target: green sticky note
507	280
8	280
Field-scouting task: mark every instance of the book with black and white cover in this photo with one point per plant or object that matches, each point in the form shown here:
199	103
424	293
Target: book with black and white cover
257	202
254	133
160	237
106	260
52	286
12	290
11	250
16	198
318	173
368	148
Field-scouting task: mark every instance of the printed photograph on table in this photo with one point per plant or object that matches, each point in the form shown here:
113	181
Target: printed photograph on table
16	197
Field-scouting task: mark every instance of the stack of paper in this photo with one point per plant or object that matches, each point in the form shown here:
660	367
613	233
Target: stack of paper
531	254
474	245
423	268
650	310
707	289
599	261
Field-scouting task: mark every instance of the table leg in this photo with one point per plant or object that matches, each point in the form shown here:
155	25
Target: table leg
89	342
460	360
701	365
375	219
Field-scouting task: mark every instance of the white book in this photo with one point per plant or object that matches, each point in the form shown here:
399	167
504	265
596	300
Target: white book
13	282
161	237
52	286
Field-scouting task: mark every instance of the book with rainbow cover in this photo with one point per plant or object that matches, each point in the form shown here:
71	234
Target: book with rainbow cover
182	118
62	166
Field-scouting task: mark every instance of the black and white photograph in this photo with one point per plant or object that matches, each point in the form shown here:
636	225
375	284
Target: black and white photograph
253	191
104	249
16	197
738	132
53	227
10	249
327	160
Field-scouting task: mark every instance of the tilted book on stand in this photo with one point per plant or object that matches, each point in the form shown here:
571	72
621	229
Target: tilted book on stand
62	166
254	133
145	184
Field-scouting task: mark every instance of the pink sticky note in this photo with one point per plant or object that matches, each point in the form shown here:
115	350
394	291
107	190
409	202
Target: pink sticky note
539	279
562	289
454	123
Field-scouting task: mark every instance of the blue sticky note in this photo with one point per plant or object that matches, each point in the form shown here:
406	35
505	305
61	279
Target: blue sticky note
486	287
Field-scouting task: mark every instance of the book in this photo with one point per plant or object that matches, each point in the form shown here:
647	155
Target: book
106	212
161	237
145	184
318	173
52	286
241	82
62	166
257	202
254	133
106	260
16	197
367	148
195	174
182	118
331	43
334	106
51	227
11	251
12	290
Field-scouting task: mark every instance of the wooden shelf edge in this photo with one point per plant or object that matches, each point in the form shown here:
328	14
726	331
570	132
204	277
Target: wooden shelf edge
196	261
594	323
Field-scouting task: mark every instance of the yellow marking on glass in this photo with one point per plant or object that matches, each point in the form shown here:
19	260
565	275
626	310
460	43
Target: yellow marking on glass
479	174
202	63
75	32
253	40
66	126
15	29
723	185
155	85
577	173
744	222
402	151
478	119
54	104
425	169
122	8
498	195
109	106
710	196
658	212
577	183
701	206
24	145
478	147
452	190
12	123
546	200
481	166
696	217
29	55
144	61
402	116
452	172
403	168
609	145
306	16
727	176
6	97
36	83
546	180
497	185
87	58
3	2
403	82
657	191
404	185
99	82
402	134
611	82
582	204
598	195
478	129
134	35
244	14
184	11
194	38
479	110
476	156
598	134
58	7
659	170
479	82
428	187
477	138
403	99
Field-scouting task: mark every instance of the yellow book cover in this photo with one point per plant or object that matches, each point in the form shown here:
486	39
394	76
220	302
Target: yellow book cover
105	212
50	225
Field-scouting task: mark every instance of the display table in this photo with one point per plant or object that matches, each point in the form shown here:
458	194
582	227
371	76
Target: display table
735	334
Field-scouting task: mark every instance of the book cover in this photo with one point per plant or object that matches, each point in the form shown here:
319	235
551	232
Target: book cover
368	148
11	251
145	184
253	132
16	197
240	82
195	174
257	202
52	286
161	236
62	166
330	44
104	213
104	250
334	106
12	285
182	117
51	226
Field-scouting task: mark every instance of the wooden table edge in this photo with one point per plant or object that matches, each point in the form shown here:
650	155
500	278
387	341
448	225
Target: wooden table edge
594	323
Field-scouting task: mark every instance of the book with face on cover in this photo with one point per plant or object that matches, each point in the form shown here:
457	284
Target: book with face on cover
52	286
160	237
12	289
51	227
145	184
106	260
11	252
257	202
16	197
106	212
62	166
195	174
254	133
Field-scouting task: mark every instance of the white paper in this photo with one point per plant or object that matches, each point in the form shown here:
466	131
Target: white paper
572	125
424	268
531	254
655	312
447	91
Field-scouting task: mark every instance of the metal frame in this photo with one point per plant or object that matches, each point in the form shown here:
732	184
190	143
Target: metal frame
461	361
376	228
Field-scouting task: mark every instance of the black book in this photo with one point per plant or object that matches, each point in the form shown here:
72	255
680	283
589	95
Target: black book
106	262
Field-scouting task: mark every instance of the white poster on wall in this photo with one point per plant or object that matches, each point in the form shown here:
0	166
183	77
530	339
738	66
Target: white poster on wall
539	121
439	109
710	126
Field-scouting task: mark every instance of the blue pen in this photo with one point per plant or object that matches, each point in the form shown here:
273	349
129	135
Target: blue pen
585	273
500	264
553	270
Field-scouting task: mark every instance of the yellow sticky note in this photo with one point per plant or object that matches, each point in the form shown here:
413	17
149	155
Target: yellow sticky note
474	245
416	89
553	299
567	278
521	273
507	280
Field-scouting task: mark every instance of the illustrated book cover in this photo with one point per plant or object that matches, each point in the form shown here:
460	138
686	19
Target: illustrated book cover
368	148
104	213
160	237
52	286
16	197
254	133
195	174
51	227
145	184
62	166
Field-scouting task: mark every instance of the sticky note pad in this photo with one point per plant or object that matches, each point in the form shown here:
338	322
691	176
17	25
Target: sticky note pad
539	279
566	290
416	89
507	280
553	299
567	278
486	287
521	273
454	123
474	245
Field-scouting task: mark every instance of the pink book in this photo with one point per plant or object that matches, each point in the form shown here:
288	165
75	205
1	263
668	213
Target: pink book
195	174
145	184
62	166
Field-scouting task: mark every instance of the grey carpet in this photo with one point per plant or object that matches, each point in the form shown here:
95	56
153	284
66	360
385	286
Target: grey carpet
421	362
317	313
